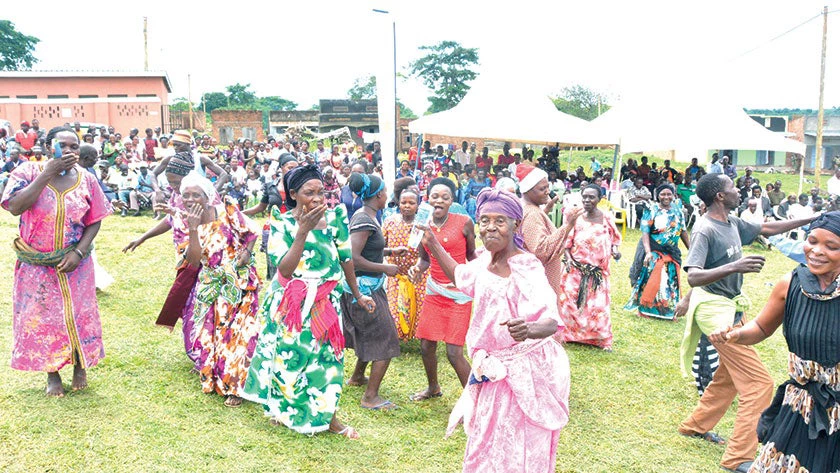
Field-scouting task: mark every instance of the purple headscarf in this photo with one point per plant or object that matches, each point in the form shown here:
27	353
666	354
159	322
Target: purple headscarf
503	203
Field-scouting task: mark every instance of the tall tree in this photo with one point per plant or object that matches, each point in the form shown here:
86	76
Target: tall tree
581	102
214	100
274	102
364	88
240	95
17	50
446	70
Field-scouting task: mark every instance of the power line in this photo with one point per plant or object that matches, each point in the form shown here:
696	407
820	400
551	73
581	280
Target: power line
781	35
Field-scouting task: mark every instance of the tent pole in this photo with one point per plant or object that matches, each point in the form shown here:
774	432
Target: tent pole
615	164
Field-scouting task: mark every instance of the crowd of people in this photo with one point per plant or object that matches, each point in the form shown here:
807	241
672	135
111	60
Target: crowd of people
353	264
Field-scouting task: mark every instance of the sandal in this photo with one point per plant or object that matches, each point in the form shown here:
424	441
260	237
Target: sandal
233	401
424	395
348	432
710	437
384	406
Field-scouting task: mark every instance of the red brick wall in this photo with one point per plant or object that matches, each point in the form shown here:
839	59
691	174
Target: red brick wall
237	119
796	125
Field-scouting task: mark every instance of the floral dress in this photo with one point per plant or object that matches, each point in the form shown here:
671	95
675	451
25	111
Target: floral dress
295	376
405	298
226	304
585	279
55	316
657	289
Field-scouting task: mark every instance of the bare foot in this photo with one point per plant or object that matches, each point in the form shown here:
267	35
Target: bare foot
54	386
79	379
357	382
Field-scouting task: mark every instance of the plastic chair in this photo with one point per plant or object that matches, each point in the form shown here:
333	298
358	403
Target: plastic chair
619	214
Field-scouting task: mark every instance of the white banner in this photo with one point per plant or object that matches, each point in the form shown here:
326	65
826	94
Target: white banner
383	60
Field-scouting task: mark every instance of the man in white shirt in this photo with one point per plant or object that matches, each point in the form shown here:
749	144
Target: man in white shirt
833	185
462	156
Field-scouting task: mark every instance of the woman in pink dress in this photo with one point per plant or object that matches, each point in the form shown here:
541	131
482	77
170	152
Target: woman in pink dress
585	276
56	317
517	398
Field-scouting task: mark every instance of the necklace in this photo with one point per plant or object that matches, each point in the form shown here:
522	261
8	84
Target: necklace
438	227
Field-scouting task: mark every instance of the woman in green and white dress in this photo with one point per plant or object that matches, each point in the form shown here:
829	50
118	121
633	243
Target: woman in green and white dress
297	371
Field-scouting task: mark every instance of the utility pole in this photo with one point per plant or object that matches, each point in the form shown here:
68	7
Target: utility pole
821	110
146	43
189	100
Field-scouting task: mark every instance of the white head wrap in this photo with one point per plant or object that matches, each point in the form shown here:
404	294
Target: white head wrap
194	179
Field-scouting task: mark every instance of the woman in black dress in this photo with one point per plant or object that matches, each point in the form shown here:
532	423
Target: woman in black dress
801	428
372	336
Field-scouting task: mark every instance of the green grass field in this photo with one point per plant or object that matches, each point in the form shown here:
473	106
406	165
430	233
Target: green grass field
144	411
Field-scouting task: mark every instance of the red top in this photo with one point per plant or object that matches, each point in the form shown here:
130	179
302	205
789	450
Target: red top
26	140
483	163
506	160
150	144
451	237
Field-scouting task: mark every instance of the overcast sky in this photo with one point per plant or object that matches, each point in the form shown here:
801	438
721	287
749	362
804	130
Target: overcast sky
312	49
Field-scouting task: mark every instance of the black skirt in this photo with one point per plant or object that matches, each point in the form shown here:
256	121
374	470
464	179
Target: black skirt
373	336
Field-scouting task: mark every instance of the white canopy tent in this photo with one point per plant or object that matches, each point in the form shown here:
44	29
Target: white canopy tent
688	122
511	112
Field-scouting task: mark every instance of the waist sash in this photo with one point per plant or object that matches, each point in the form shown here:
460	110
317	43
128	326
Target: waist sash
29	255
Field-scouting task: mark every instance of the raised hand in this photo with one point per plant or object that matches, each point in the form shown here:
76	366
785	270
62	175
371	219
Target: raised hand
308	220
194	216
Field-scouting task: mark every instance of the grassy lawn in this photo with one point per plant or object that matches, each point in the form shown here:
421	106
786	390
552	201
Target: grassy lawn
144	411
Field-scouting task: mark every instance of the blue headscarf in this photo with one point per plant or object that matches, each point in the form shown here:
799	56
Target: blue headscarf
828	221
371	186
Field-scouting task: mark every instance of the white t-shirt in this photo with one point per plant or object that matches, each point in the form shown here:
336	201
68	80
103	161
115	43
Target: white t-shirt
833	186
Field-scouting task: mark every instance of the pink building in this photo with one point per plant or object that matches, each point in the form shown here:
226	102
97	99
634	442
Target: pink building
123	100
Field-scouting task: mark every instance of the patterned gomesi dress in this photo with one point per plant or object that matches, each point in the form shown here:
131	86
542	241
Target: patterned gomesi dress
226	305
55	315
296	375
801	428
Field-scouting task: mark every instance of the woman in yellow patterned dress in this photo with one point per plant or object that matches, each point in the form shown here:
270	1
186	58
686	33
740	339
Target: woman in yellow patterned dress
404	298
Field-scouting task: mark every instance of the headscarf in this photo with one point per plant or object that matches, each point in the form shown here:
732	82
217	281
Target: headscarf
828	221
296	178
371	185
503	203
285	158
181	163
662	187
194	179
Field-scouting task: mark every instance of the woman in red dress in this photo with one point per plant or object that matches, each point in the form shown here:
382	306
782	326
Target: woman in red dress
446	310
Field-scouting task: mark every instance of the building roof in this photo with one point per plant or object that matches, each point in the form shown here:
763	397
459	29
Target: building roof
33	74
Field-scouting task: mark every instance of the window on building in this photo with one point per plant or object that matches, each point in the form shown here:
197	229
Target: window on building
62	96
147	95
225	134
249	133
4	96
90	96
27	96
116	96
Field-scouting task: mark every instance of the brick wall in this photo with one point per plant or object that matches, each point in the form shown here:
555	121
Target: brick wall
234	124
796	125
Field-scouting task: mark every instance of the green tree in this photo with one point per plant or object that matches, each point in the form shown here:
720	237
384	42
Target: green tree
214	100
17	50
364	88
239	95
181	104
406	112
274	102
581	102
446	70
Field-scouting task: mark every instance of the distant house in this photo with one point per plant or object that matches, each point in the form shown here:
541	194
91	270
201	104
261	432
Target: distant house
123	100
